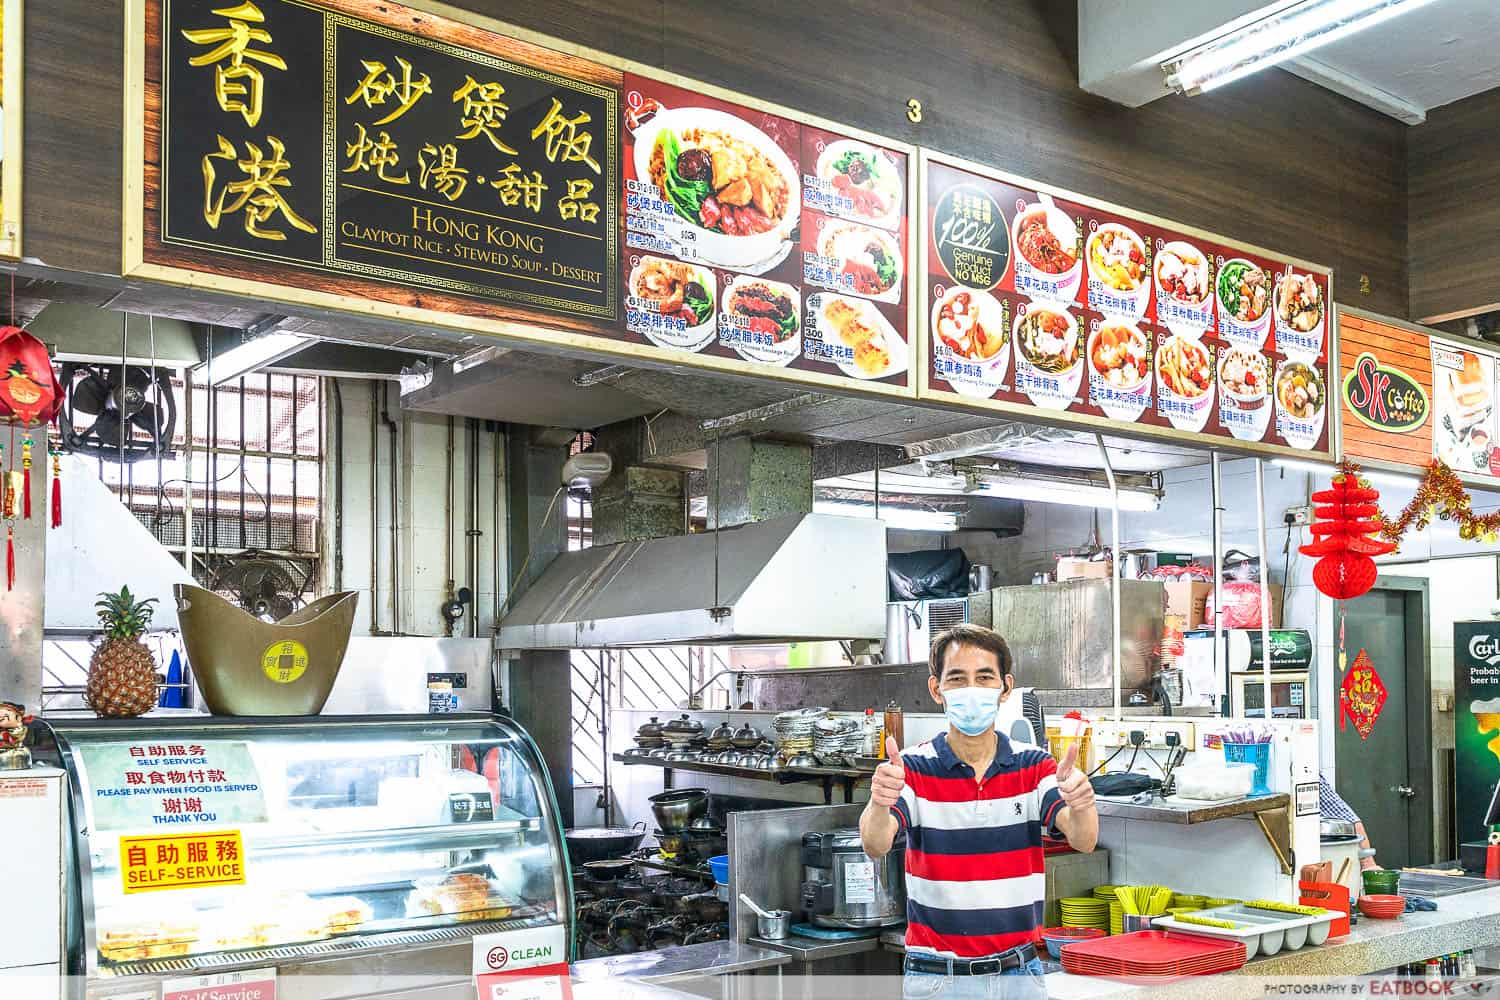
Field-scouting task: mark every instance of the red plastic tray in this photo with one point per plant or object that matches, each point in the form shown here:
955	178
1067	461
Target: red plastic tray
1154	955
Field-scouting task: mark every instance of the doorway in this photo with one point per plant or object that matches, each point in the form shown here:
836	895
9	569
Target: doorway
1387	779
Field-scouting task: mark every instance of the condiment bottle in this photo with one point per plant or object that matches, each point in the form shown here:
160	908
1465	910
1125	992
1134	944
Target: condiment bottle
894	725
870	739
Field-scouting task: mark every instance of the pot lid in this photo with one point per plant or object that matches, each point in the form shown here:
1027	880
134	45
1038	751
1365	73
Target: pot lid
652	728
683	725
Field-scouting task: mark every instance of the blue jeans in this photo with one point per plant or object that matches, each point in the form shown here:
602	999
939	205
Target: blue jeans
1024	983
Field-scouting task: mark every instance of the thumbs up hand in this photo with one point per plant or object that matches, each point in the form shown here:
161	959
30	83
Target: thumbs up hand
1072	783
890	777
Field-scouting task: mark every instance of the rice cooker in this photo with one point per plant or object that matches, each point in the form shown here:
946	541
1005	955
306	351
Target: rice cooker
844	888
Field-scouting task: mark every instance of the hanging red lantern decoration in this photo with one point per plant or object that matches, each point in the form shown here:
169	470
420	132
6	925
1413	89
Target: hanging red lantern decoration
1345	523
29	390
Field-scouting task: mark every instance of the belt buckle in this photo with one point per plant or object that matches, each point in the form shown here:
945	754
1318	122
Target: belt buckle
987	967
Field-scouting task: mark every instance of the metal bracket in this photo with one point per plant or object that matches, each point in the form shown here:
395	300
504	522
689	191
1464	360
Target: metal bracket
1276	826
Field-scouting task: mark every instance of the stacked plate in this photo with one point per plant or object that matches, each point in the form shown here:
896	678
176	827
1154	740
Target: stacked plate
795	730
1152	957
1084	911
1116	912
836	741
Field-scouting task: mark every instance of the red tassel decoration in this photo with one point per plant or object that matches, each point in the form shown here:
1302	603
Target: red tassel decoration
56	493
10	558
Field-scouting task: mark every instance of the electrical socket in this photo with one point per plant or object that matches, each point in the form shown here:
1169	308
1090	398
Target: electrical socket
1160	731
1298	517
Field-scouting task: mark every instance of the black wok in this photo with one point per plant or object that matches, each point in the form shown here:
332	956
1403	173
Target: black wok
600	843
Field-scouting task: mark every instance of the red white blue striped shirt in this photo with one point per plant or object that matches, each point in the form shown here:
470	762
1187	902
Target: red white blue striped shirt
975	884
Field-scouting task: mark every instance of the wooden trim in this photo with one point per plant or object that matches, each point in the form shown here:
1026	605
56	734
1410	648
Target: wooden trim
12	94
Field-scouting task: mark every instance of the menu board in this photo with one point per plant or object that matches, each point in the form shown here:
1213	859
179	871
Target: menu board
1463	409
1064	306
750	235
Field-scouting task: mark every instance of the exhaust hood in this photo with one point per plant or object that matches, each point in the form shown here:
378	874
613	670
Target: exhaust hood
808	577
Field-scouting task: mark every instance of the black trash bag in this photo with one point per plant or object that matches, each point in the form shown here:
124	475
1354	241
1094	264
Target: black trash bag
918	576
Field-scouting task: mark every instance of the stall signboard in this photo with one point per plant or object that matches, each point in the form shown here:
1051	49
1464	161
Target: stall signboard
757	236
170	785
304	135
247	984
1463	402
1386	396
1055	306
182	861
10	128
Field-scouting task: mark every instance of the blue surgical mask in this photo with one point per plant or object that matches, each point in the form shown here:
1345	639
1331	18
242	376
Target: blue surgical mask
971	710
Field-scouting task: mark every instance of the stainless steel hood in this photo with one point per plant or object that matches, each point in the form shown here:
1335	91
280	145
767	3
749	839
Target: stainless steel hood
801	578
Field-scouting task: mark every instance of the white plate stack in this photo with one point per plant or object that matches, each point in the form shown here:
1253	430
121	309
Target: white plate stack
836	741
795	730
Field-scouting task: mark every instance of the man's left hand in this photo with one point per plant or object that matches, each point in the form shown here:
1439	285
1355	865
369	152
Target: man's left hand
1072	784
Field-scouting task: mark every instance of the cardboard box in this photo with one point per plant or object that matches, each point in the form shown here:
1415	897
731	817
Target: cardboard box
1082	569
1187	601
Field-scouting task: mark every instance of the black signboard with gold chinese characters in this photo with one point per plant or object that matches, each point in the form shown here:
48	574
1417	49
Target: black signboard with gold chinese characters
300	134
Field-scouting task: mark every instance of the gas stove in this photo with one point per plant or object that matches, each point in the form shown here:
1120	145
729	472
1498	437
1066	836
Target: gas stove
645	911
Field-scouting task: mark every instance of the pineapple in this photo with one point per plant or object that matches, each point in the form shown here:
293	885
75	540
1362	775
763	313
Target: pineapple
122	672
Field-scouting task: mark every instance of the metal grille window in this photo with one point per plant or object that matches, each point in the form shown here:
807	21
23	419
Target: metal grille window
243	474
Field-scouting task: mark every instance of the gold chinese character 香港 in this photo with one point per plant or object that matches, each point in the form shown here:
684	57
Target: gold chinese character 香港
238	85
379	85
379	154
256	192
516	188
575	204
483	111
439	164
564	137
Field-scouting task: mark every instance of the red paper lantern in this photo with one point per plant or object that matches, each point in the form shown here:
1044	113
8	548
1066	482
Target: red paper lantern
29	389
1345	537
1345	576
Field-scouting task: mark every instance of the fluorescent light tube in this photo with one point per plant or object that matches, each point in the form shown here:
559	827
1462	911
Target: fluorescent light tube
900	518
1288	34
253	355
1069	494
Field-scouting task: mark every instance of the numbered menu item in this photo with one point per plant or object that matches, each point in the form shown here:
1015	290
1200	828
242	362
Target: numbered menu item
1115	317
1464	406
754	236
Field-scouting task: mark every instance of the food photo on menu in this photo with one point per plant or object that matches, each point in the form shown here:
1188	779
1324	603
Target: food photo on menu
1464	431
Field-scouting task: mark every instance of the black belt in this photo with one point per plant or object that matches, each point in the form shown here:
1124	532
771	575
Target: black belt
1014	959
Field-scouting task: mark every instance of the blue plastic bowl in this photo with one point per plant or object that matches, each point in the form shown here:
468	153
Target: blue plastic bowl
720	867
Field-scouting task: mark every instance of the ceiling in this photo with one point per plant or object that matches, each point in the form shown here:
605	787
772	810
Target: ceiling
1434	56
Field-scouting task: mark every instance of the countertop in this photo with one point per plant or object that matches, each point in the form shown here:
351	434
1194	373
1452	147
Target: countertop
712	958
806	949
1467	921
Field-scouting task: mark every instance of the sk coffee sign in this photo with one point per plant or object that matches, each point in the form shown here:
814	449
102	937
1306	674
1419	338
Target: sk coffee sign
1385	397
295	133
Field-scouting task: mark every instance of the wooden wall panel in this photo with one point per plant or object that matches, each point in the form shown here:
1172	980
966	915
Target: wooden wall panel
1454	225
1274	160
1400	347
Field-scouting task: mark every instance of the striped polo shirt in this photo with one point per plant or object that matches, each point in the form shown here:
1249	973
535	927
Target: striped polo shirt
975	884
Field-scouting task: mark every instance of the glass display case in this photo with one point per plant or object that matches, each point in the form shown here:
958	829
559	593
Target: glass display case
209	844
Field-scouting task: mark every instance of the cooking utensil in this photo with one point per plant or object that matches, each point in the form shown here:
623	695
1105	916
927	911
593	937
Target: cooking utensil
609	871
773	926
1343	870
600	843
745	898
676	810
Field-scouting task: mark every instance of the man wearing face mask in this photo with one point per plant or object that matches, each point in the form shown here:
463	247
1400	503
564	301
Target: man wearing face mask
973	807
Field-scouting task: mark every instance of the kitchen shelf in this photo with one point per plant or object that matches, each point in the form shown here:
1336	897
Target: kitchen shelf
1272	813
828	776
1159	811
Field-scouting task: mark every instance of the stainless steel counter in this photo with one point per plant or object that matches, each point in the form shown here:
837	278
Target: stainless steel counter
805	949
712	958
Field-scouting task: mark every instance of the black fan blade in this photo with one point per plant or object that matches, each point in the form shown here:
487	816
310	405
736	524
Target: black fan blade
149	420
90	394
139	379
107	429
281	606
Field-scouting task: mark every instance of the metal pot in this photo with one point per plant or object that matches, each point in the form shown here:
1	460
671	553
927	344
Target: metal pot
609	871
676	810
722	733
1337	830
599	843
683	726
650	730
773	926
747	737
705	822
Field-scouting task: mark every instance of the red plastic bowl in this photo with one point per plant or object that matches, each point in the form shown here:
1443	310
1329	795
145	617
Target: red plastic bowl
1056	937
1382	907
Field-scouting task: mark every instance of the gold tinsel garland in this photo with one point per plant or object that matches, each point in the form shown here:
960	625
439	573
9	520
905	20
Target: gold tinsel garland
1441	494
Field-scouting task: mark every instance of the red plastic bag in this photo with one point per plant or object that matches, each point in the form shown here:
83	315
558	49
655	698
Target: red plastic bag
1242	607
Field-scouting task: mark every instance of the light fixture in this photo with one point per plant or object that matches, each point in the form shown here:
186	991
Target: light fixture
1070	494
253	354
1290	32
900	518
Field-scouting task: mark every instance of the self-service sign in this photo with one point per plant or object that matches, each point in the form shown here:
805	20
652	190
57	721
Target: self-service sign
529	964
251	984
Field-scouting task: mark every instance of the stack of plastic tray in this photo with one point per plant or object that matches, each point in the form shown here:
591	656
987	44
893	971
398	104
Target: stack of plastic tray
1152	957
